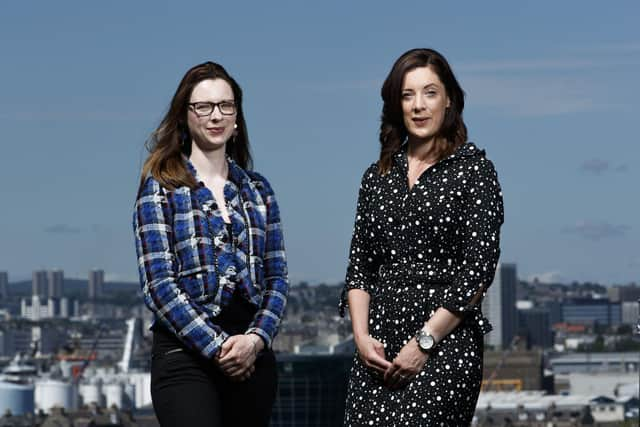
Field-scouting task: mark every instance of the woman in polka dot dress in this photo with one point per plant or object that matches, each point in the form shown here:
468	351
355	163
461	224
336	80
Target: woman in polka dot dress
424	250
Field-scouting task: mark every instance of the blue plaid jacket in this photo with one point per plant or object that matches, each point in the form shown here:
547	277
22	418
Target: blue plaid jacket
176	259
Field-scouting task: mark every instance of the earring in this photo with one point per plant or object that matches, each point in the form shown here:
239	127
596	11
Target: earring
235	133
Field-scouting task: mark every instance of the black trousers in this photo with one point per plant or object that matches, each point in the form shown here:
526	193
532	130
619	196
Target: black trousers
189	390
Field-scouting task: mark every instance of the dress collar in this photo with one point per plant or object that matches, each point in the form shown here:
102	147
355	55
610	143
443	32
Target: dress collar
468	149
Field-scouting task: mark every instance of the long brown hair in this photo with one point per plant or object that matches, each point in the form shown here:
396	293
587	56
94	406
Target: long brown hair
453	132
171	140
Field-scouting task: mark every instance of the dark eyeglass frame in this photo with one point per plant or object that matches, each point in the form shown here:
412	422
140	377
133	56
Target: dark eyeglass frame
213	106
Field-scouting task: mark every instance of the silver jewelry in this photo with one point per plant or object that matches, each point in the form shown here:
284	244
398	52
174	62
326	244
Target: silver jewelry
425	340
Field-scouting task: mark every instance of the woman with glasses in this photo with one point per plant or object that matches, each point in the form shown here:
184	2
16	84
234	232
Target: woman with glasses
211	260
424	251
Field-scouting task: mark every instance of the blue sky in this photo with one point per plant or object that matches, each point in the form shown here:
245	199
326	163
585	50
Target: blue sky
552	90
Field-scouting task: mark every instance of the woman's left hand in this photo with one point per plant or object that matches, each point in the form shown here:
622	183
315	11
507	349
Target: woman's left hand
238	355
407	364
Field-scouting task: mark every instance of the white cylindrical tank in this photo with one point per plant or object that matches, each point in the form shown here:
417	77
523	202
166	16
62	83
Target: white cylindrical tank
91	393
129	396
142	382
17	398
114	394
50	393
67	367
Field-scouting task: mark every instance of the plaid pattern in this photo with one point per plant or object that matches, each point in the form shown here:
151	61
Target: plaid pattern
174	231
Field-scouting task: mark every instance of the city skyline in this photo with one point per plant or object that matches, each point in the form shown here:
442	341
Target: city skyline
550	96
106	277
114	277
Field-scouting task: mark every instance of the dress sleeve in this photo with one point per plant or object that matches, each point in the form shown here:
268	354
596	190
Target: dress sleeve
158	268
482	218
267	319
362	270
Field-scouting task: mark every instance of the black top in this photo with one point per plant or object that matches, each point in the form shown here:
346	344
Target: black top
448	223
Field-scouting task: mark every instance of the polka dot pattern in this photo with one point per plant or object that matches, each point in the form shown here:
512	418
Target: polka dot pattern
415	250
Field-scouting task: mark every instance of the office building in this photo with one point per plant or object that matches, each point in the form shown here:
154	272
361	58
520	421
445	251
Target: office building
630	312
555	311
39	283
592	312
37	309
595	362
4	285
55	282
64	308
535	327
499	306
311	390
96	284
624	293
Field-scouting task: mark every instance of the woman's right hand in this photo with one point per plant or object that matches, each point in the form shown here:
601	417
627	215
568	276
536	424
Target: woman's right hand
371	352
237	357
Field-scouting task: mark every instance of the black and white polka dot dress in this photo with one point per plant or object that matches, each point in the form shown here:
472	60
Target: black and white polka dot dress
415	250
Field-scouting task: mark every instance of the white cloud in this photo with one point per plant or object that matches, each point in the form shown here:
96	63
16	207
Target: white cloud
530	96
612	48
109	116
543	64
62	229
510	65
597	230
598	166
595	166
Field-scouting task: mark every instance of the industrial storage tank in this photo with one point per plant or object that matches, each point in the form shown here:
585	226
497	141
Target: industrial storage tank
91	393
142	383
17	398
50	393
114	394
129	396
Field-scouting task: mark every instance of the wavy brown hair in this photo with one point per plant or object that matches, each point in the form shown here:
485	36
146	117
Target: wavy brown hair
453	132
171	140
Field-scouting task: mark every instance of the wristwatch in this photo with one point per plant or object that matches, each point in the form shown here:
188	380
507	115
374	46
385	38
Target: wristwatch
425	340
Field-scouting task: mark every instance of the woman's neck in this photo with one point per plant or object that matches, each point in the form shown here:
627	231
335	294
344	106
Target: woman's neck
210	164
421	150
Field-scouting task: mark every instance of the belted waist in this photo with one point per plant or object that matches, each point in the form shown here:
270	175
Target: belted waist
423	271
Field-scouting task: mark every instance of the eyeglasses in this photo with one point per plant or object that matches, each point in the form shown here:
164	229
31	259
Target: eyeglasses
203	109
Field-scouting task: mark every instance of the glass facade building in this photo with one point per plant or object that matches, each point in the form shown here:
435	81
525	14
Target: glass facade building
535	327
311	390
591	312
499	305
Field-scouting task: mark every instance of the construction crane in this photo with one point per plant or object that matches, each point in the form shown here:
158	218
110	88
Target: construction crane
491	380
128	346
79	370
506	352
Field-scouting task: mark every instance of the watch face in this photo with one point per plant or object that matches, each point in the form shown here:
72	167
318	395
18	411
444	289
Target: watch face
426	341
